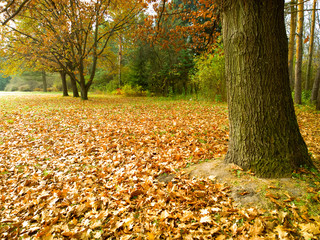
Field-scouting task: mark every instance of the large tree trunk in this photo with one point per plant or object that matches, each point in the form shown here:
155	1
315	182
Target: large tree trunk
64	83
299	53
82	83
44	81
316	87
264	133
313	21
293	26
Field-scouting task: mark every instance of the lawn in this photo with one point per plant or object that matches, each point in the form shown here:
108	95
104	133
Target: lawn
93	169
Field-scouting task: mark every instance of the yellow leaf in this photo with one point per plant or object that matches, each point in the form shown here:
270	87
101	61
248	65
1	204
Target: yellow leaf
150	236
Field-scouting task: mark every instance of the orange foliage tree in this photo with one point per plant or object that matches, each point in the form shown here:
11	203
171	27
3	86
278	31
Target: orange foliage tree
182	24
74	34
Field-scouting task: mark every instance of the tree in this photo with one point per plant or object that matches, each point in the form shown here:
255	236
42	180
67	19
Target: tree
11	9
299	53
183	24
63	76
313	21
3	82
76	33
316	87
264	133
293	25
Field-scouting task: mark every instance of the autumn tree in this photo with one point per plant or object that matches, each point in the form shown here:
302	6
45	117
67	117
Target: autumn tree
11	8
76	33
178	31
264	134
183	24
26	49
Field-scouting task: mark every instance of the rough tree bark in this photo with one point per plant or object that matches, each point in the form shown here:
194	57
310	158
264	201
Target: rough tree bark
75	91
313	23
293	26
264	133
299	53
64	83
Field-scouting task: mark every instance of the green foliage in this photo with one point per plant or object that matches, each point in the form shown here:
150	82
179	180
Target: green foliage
306	95
3	82
209	76
19	83
131	91
32	81
111	86
103	81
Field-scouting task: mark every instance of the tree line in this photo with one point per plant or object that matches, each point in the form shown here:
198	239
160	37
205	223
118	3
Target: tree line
173	49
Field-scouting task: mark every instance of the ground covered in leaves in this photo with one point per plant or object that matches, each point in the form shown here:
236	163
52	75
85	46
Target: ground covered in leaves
72	169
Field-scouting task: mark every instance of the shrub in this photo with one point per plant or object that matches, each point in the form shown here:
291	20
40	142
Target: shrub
11	88
24	88
112	86
131	91
209	75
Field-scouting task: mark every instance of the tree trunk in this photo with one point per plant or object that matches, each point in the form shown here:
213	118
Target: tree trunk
64	83
74	87
44	81
264	133
82	83
299	52
84	94
313	21
316	87
293	26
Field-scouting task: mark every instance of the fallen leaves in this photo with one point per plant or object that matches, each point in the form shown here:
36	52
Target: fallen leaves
89	170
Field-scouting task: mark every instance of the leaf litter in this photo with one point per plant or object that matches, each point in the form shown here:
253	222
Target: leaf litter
90	170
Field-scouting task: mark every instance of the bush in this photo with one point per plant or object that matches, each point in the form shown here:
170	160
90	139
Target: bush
24	88
209	75
112	86
305	97
11	88
131	91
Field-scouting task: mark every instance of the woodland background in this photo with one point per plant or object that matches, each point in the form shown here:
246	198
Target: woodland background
165	49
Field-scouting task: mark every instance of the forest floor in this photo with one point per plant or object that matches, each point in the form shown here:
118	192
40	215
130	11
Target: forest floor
141	168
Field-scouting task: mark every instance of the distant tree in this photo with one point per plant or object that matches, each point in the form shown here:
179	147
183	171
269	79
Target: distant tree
310	54
299	53
293	26
3	82
316	87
